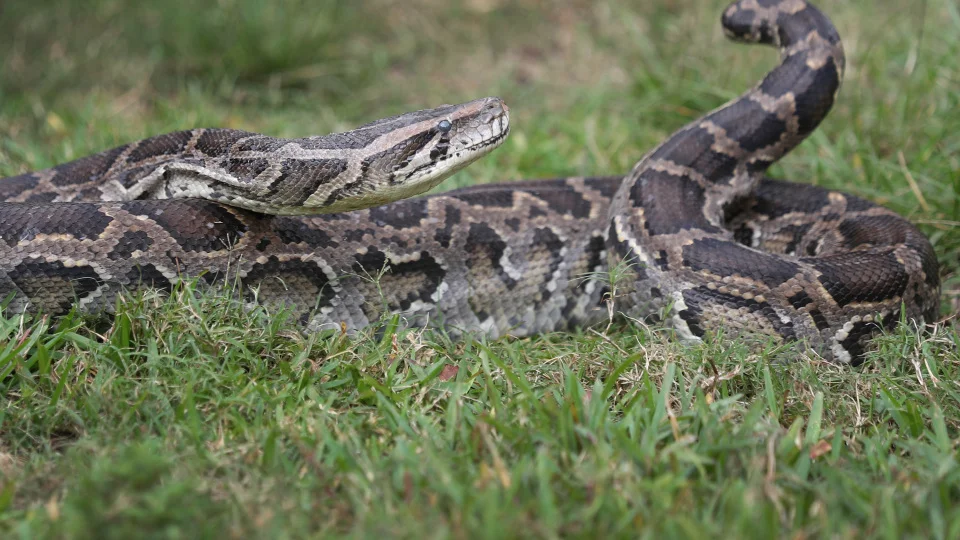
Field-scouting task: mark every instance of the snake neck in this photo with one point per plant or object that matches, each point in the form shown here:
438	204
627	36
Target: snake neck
688	181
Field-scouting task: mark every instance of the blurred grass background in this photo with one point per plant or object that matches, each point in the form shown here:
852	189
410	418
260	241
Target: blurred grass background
157	434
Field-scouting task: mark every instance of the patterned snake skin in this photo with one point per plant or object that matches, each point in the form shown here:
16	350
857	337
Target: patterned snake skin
708	243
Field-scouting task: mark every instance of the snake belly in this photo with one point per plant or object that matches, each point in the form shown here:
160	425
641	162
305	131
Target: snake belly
709	242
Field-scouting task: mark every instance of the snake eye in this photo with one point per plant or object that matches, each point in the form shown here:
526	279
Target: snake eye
444	126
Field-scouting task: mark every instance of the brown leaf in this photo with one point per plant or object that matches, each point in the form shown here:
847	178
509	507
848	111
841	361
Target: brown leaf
407	486
449	372
819	449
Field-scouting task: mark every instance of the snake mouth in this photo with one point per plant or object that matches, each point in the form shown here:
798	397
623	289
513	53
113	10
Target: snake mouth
492	141
468	154
503	121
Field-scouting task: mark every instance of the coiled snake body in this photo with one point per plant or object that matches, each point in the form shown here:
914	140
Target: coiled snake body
706	241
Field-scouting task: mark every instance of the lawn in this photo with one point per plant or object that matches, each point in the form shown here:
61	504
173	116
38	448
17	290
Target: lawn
190	417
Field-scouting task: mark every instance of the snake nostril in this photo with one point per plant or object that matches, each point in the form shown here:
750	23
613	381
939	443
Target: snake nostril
495	106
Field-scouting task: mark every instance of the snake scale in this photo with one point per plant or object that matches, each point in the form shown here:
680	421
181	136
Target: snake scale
706	241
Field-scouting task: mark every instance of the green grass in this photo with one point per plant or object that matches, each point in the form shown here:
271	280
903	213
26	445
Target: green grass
189	417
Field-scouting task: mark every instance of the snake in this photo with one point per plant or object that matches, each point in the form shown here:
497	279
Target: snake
697	235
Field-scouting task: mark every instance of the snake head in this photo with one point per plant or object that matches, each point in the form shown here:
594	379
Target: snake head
380	162
414	152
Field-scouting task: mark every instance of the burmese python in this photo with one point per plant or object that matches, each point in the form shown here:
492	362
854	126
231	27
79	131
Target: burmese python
705	239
